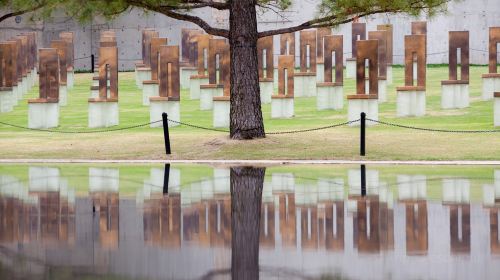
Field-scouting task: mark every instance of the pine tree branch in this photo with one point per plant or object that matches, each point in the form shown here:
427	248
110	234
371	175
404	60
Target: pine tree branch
332	20
173	13
21	12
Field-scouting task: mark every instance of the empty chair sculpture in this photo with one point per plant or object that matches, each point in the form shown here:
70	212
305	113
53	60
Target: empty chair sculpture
62	48
189	55
305	79
221	103
455	90
103	110
282	104
365	101
7	94
266	68
168	100
330	93
491	80
389	50
43	112
143	67
320	46
218	49
411	97
68	37
358	33
151	87
381	36
201	78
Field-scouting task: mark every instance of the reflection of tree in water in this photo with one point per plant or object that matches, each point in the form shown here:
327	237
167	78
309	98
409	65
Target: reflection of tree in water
246	199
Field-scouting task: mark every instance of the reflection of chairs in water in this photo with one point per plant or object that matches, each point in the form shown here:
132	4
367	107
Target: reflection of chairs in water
491	200
417	234
107	205
162	224
373	224
412	192
45	216
456	194
206	222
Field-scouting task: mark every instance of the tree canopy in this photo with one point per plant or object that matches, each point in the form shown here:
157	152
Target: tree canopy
328	12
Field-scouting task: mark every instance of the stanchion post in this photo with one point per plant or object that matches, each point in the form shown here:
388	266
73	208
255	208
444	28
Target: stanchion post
166	134
92	63
363	180
166	176
362	135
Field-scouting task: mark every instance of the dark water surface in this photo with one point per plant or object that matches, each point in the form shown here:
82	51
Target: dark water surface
277	222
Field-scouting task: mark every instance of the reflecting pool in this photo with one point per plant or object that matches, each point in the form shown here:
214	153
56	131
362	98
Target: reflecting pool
76	221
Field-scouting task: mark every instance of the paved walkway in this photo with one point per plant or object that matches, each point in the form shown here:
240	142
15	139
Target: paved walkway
258	162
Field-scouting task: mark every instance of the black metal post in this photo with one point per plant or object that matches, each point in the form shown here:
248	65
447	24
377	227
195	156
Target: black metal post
363	180
166	134
362	135
92	63
166	176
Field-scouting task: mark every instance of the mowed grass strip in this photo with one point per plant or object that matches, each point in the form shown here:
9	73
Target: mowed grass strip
383	142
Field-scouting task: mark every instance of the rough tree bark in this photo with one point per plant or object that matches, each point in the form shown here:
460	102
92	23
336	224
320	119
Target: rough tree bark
246	199
246	114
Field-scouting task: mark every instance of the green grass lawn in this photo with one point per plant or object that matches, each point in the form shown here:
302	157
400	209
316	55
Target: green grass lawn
190	143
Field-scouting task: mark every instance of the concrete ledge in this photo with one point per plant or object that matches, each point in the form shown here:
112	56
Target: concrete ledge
496	112
266	91
172	108
143	74
103	114
149	89
63	95
454	96
207	95
490	85
282	108
350	68
221	113
194	86
6	100
356	106
304	85
186	73
70	79
320	72
410	103
330	97
43	115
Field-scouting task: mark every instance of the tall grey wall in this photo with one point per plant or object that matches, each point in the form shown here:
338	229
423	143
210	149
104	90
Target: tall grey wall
473	15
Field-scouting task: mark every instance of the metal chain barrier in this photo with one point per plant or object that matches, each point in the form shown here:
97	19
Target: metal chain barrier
313	129
197	126
172	121
432	129
81	131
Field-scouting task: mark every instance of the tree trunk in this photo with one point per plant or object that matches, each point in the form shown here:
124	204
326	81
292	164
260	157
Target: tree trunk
246	113
246	199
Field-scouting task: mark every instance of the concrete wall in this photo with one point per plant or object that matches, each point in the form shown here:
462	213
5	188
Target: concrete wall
473	15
